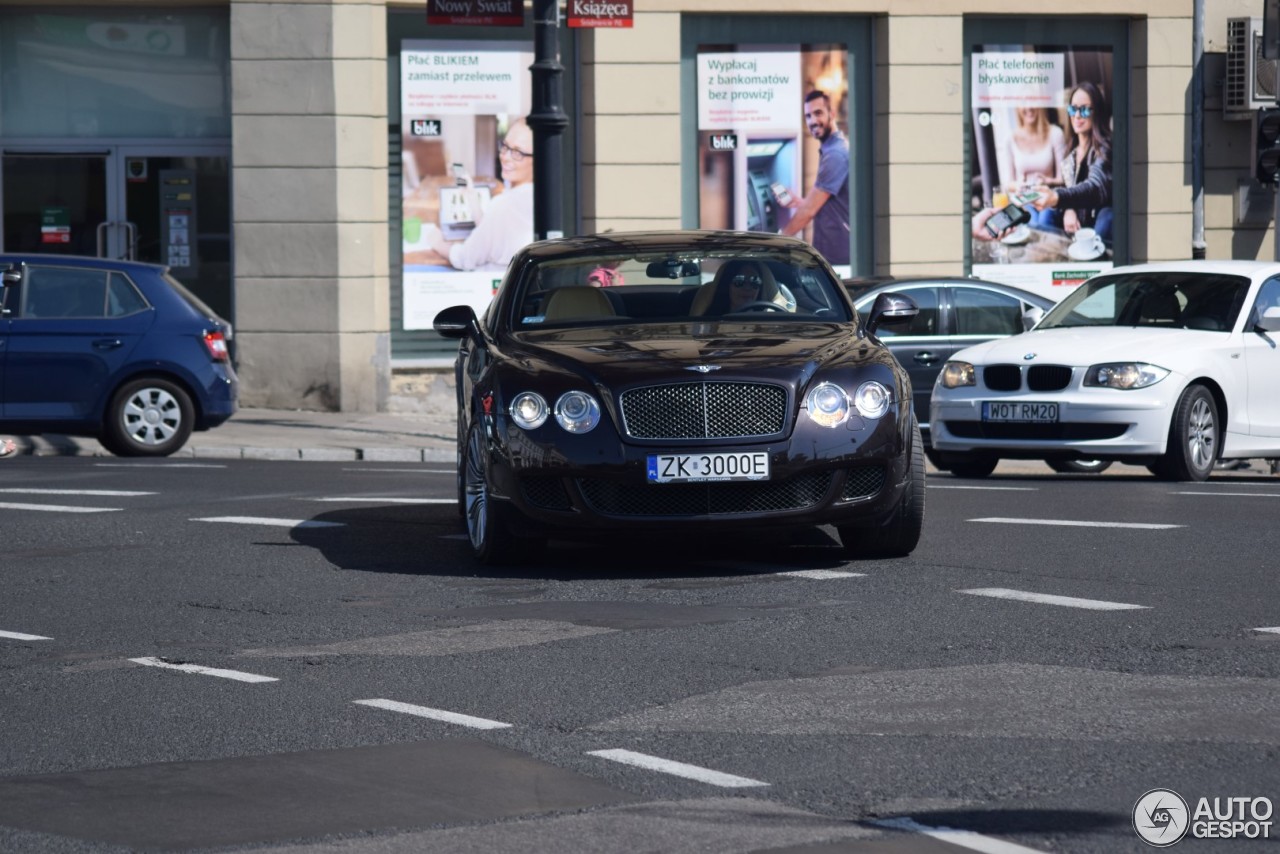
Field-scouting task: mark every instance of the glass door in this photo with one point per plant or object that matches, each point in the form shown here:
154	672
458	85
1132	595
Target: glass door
57	203
146	202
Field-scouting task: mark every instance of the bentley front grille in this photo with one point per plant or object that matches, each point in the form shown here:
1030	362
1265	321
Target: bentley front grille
708	410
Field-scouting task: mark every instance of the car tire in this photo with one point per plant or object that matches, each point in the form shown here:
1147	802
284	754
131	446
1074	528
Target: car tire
1193	438
486	519
971	465
1079	466
936	459
899	533
148	417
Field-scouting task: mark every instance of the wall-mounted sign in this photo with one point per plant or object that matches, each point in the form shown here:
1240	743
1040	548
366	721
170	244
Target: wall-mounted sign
55	225
476	13
599	13
135	170
178	220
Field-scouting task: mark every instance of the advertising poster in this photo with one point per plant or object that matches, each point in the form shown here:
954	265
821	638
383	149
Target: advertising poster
467	167
773	150
1041	152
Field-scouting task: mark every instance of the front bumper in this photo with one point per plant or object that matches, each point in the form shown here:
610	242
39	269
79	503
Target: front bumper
1094	423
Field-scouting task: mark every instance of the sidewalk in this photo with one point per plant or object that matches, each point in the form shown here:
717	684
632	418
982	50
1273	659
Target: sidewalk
286	434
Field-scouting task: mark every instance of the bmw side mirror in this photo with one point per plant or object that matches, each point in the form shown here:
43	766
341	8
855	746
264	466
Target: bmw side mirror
890	309
458	321
1268	321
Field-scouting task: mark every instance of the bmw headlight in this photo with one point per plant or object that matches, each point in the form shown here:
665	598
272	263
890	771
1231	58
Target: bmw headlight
529	410
828	405
872	399
957	374
577	412
1124	375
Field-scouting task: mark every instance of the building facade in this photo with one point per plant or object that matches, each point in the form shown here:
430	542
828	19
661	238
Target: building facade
298	164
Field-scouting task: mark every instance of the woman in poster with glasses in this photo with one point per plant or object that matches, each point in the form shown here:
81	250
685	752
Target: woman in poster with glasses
1085	200
508	220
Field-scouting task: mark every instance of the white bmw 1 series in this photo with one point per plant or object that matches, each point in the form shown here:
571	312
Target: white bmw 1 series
1172	365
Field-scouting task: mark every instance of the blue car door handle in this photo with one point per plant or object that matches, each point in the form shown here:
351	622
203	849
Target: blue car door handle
924	357
107	343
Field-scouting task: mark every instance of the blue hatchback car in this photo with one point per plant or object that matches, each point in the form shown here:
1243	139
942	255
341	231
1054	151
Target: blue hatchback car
117	350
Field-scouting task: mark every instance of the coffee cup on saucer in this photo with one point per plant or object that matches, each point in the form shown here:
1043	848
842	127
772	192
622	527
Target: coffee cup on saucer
1087	242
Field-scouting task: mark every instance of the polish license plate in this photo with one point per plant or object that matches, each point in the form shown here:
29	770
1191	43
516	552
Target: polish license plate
689	468
1025	412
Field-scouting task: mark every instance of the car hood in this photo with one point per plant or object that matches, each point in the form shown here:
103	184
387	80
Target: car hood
625	355
1091	345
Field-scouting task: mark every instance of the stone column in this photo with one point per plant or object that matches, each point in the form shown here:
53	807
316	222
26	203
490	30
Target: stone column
309	185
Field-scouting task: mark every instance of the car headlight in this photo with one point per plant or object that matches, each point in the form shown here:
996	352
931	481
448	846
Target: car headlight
1124	375
577	412
828	405
872	399
957	374
529	410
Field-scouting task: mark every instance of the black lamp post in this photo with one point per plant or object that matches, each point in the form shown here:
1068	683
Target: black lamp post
547	120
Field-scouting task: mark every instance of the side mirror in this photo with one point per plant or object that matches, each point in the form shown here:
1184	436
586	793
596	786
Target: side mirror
10	275
457	321
1269	321
890	309
1031	317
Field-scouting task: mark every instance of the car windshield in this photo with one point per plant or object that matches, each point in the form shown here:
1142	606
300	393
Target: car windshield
1166	300
677	287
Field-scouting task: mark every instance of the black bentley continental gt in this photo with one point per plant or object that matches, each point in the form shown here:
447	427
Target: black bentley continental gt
681	381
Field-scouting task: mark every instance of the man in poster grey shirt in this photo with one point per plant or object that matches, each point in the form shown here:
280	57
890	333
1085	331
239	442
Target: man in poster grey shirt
827	204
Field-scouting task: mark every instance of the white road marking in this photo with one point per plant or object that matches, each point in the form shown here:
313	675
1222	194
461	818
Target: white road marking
1146	526
21	636
434	714
116	492
389	500
963	838
1275	630
678	769
1234	494
237	675
263	520
994	488
56	508
1048	599
823	574
415	471
159	466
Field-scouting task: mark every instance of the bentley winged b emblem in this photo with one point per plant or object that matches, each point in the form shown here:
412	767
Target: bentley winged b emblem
703	369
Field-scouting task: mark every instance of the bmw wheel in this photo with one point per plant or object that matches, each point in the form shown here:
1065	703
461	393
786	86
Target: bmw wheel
899	534
1193	438
970	464
150	417
491	539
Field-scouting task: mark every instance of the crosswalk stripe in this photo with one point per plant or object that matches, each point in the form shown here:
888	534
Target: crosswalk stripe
1049	599
822	574
109	492
677	769
434	714
21	636
264	520
962	838
1275	630
239	676
1146	526
56	508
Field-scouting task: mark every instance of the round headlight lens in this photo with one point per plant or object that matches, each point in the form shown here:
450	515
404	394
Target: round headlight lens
828	405
529	410
957	374
577	412
872	399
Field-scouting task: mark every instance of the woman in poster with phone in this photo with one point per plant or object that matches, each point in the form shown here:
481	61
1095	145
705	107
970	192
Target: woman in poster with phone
1085	199
1033	153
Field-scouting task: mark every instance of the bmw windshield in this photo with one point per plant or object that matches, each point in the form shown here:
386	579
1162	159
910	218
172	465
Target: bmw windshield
1164	299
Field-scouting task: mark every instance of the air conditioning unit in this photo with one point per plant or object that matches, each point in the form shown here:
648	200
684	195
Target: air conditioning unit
1250	82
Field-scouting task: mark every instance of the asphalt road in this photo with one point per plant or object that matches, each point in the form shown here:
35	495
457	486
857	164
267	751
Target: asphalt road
303	657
